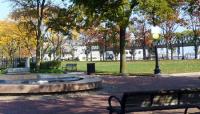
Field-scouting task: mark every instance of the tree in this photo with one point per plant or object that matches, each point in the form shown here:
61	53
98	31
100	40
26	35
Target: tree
27	39
65	20
9	39
68	22
192	9
14	41
140	31
113	40
109	39
32	12
99	34
91	37
115	11
156	10
169	25
54	42
120	12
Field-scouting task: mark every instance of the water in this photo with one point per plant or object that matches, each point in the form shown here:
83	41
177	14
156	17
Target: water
42	80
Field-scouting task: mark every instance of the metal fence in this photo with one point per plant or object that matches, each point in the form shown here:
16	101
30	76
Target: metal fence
12	63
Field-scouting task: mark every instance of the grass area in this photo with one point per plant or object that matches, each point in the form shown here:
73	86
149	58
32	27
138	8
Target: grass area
133	67
143	67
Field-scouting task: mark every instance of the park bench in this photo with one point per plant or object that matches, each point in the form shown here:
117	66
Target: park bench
70	67
154	100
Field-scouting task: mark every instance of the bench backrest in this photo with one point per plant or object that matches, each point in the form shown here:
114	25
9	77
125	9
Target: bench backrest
71	65
150	99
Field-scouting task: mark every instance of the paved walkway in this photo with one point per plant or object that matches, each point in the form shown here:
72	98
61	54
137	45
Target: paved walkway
94	102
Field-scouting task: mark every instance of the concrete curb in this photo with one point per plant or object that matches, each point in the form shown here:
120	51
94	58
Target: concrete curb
192	74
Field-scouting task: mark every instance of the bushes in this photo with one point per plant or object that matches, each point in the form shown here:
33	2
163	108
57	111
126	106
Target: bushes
45	66
21	64
2	71
32	66
50	65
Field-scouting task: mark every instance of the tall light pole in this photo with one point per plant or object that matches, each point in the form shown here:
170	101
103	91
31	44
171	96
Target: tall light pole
155	31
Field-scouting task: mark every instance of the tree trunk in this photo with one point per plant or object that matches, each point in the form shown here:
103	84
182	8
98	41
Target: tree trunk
178	52
172	57
54	55
144	48
183	52
60	54
179	49
149	54
144	52
101	55
40	8
122	51
144	43
38	60
167	50
116	57
195	48
105	49
86	57
91	53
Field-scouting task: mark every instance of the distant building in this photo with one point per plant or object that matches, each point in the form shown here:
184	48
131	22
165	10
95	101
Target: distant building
75	50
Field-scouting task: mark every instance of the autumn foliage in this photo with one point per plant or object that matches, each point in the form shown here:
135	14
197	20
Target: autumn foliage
15	41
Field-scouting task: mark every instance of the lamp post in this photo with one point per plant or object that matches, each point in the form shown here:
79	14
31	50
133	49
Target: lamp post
155	31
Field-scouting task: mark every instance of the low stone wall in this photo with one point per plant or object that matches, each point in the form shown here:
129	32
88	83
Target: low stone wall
87	83
18	70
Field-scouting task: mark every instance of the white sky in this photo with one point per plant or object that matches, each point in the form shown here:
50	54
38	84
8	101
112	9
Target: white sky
5	9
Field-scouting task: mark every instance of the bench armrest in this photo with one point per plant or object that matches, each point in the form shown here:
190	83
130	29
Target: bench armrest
110	100
198	106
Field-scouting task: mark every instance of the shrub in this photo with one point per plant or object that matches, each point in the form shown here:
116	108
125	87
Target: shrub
32	66
47	67
50	65
2	71
21	64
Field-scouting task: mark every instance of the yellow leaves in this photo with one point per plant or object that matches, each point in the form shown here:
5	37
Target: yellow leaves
1	42
75	34
11	38
7	29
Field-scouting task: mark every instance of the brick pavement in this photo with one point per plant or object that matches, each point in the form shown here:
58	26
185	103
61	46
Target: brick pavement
94	102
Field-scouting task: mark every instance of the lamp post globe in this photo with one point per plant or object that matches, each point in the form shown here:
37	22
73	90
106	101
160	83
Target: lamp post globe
155	31
155	36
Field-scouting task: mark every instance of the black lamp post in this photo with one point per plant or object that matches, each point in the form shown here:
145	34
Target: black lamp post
155	31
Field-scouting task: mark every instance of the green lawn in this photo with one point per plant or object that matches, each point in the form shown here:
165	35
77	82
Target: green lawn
143	67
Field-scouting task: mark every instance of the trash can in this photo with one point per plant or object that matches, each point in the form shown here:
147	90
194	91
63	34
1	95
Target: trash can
90	68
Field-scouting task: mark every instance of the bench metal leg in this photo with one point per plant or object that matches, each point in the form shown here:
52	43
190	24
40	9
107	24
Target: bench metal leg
186	109
110	112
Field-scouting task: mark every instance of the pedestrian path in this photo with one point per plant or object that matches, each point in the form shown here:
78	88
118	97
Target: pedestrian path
95	102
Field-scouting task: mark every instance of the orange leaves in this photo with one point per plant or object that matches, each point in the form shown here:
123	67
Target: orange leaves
75	34
149	41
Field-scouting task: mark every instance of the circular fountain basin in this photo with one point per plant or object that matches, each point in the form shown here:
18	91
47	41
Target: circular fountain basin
42	84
